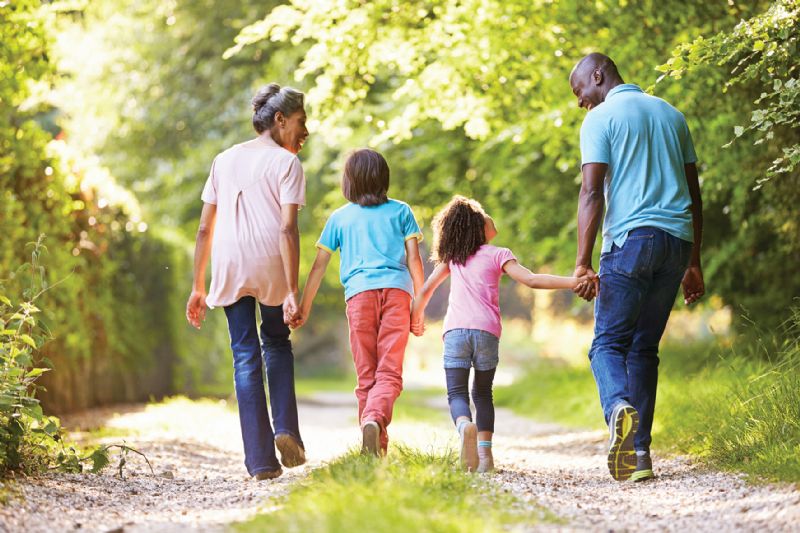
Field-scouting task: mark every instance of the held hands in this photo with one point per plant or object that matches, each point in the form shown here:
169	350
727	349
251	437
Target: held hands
292	314
588	282
417	319
693	286
196	308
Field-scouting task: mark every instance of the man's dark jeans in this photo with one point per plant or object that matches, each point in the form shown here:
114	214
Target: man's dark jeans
257	434
638	284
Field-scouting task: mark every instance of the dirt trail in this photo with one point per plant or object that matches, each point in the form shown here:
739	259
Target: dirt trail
200	482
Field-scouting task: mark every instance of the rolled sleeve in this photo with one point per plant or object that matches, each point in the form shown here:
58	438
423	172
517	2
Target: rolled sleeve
329	239
594	140
293	185
410	227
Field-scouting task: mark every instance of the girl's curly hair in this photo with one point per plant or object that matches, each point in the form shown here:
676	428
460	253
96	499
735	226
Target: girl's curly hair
458	231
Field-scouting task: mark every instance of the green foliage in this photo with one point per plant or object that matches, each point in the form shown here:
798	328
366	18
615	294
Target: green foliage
744	82
29	440
733	405
472	97
117	318
408	491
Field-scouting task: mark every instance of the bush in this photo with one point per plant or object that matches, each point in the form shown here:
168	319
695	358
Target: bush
29	440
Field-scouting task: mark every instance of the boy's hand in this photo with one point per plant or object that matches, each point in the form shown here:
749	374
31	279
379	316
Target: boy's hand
297	320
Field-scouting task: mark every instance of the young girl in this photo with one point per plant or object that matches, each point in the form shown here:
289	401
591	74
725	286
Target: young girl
462	231
381	270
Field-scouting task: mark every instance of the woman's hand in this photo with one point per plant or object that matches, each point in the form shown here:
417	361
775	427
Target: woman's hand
290	309
196	308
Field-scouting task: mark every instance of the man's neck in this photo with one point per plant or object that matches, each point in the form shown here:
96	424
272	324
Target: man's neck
612	84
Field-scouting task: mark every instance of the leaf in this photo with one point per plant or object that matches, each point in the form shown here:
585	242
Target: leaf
36	372
99	459
738	131
27	339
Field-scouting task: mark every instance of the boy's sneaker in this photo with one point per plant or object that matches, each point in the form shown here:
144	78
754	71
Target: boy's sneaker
292	453
268	474
644	467
622	428
468	432
371	439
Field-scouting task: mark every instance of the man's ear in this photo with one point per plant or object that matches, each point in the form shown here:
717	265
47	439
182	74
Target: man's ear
597	76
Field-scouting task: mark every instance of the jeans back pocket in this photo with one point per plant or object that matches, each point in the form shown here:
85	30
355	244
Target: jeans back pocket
635	257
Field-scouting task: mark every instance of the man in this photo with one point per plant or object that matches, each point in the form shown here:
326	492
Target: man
639	162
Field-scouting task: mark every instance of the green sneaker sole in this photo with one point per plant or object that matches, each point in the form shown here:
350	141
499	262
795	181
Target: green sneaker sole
621	455
642	475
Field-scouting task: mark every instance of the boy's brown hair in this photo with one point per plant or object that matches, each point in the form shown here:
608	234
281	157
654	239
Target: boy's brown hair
458	231
366	178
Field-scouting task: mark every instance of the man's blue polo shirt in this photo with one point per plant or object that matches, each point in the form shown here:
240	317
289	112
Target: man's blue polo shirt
645	142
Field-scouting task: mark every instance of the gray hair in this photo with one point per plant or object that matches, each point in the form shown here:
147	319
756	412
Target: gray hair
271	99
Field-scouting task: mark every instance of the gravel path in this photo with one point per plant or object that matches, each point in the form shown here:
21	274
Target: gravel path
565	471
200	482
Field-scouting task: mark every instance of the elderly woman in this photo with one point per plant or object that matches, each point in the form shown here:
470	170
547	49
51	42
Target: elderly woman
249	228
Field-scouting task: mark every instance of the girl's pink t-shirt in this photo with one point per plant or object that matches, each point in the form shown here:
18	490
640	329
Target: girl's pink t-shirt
475	291
249	183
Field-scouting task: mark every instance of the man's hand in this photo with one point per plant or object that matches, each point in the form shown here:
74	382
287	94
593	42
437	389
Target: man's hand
587	291
693	286
196	308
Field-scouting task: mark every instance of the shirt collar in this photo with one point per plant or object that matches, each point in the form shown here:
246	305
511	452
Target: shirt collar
267	139
623	87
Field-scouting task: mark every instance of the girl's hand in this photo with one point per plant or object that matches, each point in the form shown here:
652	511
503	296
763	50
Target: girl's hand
417	321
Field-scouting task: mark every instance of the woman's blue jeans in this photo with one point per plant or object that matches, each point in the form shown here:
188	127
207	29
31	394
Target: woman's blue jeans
638	284
257	434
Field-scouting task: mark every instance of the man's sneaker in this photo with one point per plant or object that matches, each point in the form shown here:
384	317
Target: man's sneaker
622	428
644	467
371	439
468	432
292	453
268	474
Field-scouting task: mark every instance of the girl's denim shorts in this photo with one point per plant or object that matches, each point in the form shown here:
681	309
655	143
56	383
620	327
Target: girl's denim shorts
465	348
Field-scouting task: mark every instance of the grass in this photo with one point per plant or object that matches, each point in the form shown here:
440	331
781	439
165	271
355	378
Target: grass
737	407
407	491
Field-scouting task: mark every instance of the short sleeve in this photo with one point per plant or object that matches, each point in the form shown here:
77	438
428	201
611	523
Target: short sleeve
330	239
594	140
209	195
687	145
503	256
410	227
293	185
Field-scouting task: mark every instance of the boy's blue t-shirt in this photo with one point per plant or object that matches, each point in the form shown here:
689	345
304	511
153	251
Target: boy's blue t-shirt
372	243
645	142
